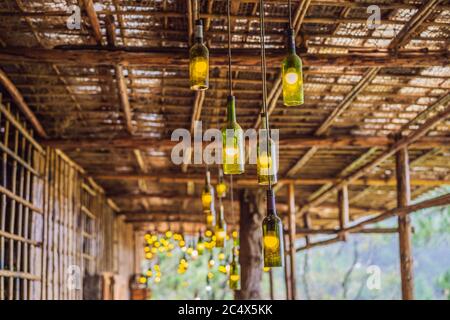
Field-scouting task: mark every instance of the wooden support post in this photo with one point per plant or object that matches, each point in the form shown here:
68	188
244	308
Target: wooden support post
292	232
343	207
252	211
404	224
287	271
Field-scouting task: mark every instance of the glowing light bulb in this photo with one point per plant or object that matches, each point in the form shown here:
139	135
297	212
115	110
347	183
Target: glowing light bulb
234	277
200	67
271	242
264	160
231	151
206	199
221	188
291	77
143	280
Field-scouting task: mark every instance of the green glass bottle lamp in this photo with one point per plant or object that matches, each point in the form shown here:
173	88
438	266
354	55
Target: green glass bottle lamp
235	273
267	164
221	187
208	193
221	229
272	235
200	244
233	142
292	74
199	61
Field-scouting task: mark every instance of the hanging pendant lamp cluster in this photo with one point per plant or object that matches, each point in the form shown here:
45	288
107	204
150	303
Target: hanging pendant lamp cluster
233	157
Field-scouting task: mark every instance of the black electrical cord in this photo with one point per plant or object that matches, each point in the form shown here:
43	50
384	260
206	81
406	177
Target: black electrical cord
230	89
290	14
263	76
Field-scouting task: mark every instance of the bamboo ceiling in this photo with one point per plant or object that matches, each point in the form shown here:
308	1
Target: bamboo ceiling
124	77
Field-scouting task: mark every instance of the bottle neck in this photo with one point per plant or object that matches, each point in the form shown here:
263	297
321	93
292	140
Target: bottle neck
271	207
207	179
231	110
198	34
291	41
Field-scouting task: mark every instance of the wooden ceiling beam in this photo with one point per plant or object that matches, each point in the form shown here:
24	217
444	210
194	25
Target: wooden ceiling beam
170	178
177	57
333	142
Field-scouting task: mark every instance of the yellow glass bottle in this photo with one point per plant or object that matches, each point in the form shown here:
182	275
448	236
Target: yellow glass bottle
199	61
233	157
292	75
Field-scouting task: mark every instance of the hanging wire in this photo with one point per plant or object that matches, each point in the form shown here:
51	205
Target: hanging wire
263	76
232	198
230	89
290	14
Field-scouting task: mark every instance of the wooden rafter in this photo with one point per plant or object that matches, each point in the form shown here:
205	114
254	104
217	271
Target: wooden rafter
161	177
93	19
345	103
334	142
245	58
410	28
402	143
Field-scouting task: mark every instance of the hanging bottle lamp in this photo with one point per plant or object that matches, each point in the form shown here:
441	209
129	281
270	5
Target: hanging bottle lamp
199	60
232	134
272	226
235	272
221	187
221	228
267	164
200	244
291	69
208	192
